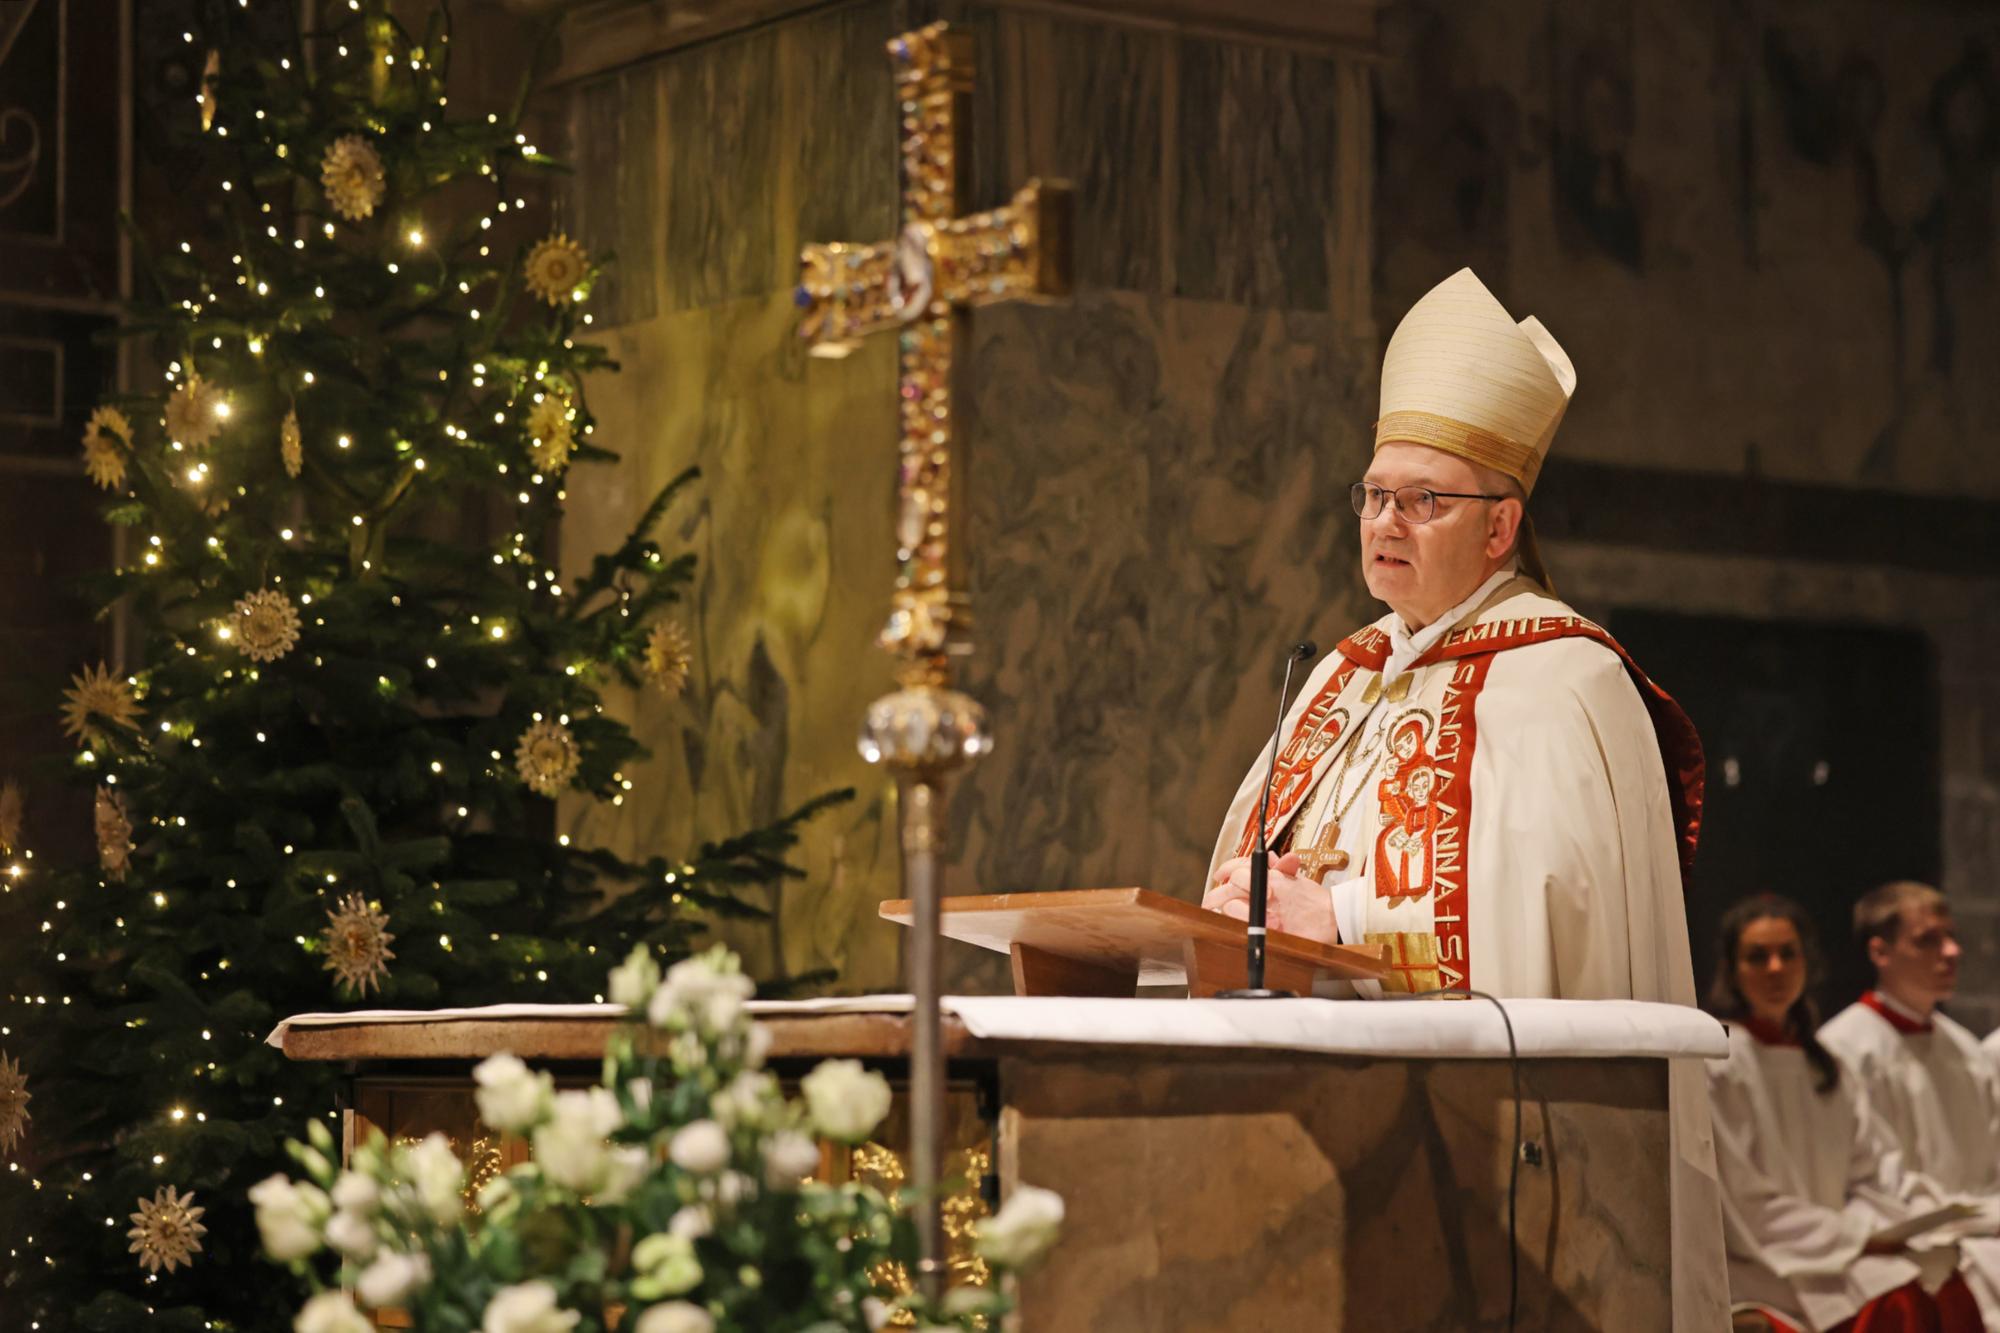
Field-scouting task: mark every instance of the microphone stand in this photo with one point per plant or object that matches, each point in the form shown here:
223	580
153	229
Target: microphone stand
1260	856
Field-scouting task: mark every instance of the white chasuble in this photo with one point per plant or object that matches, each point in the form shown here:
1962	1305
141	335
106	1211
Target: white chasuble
1513	814
1807	1177
1938	1094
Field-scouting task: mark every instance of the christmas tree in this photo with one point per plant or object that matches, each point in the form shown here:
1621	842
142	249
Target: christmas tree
357	683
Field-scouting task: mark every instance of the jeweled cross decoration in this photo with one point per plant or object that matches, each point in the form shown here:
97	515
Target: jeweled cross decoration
922	283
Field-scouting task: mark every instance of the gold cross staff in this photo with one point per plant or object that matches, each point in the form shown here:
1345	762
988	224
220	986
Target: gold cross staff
923	282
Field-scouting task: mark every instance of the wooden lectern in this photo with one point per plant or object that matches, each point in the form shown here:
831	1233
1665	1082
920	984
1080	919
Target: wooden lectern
1111	941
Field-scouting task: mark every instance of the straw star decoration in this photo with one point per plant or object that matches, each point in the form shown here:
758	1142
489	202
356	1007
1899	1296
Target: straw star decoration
357	944
14	1099
547	757
195	412
168	1232
114	835
12	814
352	175
550	429
556	269
291	445
107	438
669	656
97	701
267	625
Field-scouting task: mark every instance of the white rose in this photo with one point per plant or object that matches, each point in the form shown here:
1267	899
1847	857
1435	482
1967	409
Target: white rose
510	1097
628	1166
875	1311
641	1092
721	1010
701	1147
757	1046
789	1157
733	1187
684	997
331	1312
1024	1228
746	1096
571	1148
634	980
690	1223
356	1193
527	1308
675	1317
846	1101
391	1279
289	1215
439	1178
351	1234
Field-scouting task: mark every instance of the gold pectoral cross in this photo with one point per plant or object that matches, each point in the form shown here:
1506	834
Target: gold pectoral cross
1399	690
1323	856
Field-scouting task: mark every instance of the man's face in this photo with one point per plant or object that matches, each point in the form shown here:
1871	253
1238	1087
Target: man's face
1921	964
1423	570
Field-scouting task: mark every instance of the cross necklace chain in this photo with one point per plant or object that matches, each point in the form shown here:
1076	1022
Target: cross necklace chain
1323	855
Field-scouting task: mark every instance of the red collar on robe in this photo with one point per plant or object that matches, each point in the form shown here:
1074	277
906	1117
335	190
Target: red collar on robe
1769	1034
1892	1014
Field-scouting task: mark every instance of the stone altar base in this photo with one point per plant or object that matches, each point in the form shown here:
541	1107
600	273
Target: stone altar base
1281	1165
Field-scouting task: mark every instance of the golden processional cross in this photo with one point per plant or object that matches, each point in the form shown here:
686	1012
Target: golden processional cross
922	284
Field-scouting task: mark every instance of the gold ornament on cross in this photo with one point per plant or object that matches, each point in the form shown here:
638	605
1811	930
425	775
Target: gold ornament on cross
922	283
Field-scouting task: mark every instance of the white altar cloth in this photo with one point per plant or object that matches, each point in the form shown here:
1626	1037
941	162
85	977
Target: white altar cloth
1408	1029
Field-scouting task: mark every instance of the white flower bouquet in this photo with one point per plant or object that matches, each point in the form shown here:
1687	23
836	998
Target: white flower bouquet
676	1197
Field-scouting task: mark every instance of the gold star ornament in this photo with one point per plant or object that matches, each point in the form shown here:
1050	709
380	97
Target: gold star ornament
14	1099
557	269
95	702
357	944
167	1232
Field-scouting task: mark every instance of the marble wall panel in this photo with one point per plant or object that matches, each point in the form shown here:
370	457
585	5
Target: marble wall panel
1256	152
614	142
1765	231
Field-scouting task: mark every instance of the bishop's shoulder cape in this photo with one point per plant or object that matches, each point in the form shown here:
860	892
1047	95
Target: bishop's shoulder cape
1527	818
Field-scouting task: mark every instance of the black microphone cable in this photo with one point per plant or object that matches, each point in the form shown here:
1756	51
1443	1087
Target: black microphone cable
1514	1160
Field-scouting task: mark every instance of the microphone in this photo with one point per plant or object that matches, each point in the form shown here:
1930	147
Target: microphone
1260	856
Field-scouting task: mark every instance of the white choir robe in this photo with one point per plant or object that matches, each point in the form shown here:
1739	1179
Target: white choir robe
1807	1178
1938	1095
1566	875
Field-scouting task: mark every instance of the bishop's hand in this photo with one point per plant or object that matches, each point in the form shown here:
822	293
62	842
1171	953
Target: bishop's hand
1294	904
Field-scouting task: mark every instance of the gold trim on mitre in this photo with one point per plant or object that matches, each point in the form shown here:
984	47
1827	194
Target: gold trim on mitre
1462	376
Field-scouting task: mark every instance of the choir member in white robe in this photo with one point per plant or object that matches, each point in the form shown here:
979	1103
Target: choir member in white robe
1808	1173
1482	781
1934	1088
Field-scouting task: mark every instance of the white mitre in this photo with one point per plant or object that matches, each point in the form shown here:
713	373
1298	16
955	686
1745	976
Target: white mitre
1460	375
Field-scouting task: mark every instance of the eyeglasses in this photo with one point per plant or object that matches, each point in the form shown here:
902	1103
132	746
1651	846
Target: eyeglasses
1414	504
